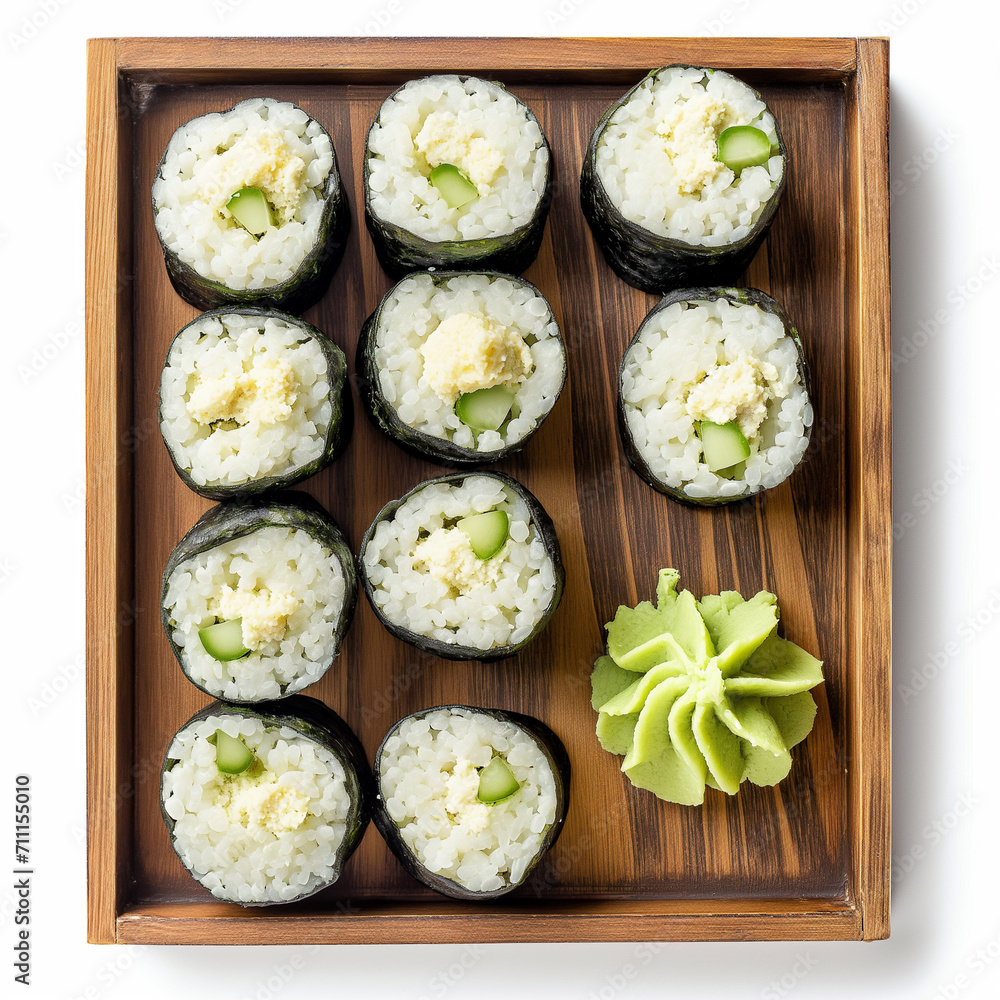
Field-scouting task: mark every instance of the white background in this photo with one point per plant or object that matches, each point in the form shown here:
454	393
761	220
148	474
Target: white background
947	591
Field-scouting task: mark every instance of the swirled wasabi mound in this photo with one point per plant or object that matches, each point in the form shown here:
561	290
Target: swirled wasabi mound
697	693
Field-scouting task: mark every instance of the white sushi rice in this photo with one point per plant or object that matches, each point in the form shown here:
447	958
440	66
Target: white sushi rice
418	768
400	192
213	243
641	179
234	857
675	349
284	561
493	614
224	454
416	307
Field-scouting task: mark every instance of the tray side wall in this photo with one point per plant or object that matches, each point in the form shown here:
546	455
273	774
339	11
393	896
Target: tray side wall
870	487
395	60
110	608
597	920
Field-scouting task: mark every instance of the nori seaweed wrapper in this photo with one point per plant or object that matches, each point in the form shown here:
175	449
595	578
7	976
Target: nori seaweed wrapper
385	416
400	251
237	518
452	651
304	287
338	431
738	296
558	760
648	260
313	720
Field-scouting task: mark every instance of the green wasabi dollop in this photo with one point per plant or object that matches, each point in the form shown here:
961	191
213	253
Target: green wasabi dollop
695	693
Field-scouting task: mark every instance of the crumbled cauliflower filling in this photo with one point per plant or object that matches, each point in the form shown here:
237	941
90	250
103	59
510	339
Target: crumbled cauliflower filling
467	352
462	799
737	391
265	614
264	394
444	139
449	557
259	159
690	136
263	802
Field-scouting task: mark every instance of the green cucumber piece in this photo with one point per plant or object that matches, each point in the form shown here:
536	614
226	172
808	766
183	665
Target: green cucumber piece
487	532
456	189
497	781
250	209
737	471
485	409
224	640
232	755
743	146
723	445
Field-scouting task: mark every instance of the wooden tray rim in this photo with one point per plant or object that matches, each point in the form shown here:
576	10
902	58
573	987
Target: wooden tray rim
116	64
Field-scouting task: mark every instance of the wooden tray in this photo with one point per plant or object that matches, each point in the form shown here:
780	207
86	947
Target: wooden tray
807	860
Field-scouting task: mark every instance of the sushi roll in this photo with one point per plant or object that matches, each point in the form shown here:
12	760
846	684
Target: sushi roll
469	799
252	400
466	566
250	209
713	401
257	597
265	805
457	174
461	368
682	178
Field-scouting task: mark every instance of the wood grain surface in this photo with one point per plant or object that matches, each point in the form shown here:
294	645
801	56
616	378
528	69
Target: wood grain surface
807	859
